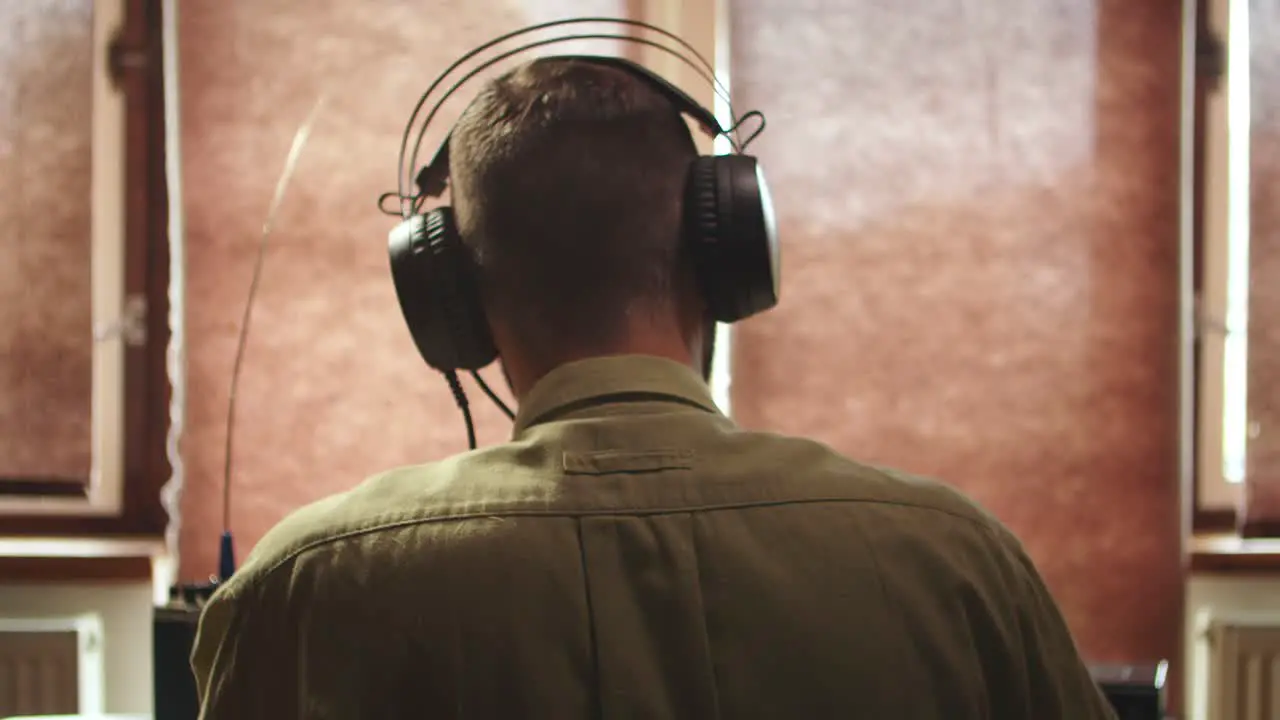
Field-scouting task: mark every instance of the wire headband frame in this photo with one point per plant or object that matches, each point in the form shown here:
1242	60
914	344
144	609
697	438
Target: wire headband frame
410	202
431	180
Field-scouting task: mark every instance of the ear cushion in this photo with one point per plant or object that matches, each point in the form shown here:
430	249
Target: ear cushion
436	283
732	236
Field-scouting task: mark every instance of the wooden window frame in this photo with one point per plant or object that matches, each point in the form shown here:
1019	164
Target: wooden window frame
1217	541
1214	498
135	65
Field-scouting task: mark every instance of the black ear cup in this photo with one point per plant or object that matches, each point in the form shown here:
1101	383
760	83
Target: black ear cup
732	236
435	279
729	230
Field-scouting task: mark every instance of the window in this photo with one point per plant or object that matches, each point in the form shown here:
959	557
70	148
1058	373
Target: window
105	476
1223	254
1238	258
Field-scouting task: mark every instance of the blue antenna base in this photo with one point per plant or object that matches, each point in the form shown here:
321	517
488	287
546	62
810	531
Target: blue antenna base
226	557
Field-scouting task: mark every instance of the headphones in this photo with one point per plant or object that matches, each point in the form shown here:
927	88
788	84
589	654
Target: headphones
728	225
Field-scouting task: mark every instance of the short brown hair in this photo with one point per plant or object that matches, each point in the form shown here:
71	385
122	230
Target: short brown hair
568	179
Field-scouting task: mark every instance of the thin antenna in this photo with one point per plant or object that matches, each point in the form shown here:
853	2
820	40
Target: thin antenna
226	550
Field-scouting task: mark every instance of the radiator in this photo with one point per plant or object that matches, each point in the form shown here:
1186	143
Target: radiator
1243	668
51	666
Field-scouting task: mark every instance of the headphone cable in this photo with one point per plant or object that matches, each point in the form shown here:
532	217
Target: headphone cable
484	387
460	397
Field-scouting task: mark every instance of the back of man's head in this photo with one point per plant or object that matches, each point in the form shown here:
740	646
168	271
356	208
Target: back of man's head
568	178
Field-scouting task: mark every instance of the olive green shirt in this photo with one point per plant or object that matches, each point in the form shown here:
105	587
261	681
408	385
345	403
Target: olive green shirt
631	553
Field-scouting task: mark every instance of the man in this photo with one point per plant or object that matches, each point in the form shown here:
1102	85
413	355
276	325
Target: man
630	553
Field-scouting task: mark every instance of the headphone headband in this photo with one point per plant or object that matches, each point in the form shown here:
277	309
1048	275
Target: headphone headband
433	179
686	53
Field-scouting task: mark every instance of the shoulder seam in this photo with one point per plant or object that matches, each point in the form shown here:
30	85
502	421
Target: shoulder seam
293	554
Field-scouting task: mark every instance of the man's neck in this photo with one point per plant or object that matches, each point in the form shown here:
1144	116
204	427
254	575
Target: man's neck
522	377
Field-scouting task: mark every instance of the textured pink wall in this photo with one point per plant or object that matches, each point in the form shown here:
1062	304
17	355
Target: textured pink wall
979	206
332	388
46	349
1263	468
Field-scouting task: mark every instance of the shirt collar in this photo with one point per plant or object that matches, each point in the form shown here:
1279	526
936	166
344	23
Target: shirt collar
582	381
